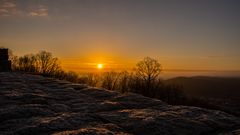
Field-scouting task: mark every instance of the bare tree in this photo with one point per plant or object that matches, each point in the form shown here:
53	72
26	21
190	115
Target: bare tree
72	76
46	63
123	83
27	63
110	80
148	70
90	79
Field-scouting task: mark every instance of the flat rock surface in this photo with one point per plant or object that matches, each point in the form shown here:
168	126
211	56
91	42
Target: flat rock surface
31	104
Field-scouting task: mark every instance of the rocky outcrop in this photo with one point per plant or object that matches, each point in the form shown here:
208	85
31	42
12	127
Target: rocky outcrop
31	104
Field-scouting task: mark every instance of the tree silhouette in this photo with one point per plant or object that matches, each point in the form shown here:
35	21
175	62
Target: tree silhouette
46	63
27	63
148	70
42	62
110	80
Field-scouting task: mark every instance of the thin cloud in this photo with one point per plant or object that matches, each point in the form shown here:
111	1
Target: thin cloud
40	11
3	11
217	57
10	8
7	4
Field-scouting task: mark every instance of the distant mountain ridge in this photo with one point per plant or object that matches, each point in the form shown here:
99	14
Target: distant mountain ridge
208	86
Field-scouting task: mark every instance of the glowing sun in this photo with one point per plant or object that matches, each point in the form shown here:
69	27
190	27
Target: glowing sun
99	66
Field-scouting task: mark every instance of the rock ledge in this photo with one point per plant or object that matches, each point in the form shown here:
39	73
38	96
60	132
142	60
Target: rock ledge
31	104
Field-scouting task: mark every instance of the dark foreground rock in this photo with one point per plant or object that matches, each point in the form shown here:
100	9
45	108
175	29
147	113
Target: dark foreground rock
31	104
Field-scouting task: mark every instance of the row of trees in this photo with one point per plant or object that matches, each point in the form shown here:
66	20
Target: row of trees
144	79
42	62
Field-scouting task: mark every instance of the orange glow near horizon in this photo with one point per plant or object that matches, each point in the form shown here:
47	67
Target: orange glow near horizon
93	62
89	63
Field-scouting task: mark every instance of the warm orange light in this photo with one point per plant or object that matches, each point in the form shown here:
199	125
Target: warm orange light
99	66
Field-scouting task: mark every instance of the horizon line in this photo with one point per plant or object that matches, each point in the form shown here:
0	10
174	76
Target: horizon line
200	70
168	70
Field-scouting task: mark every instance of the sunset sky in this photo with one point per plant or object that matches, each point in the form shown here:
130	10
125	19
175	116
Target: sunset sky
181	34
